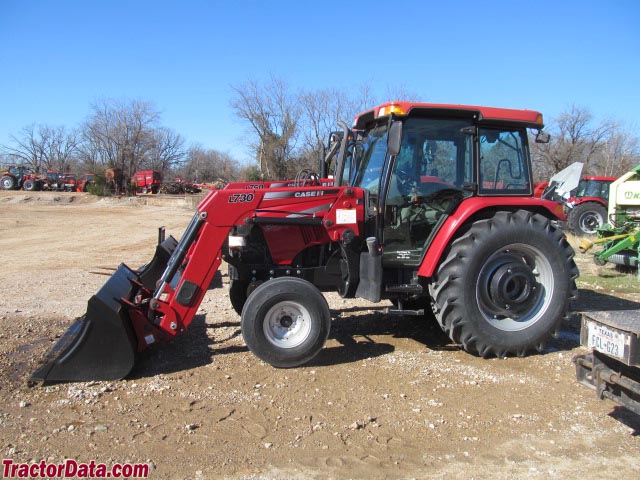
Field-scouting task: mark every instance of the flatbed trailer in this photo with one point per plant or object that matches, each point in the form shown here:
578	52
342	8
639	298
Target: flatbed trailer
612	366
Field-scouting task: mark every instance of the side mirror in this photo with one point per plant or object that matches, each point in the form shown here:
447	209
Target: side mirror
542	137
394	138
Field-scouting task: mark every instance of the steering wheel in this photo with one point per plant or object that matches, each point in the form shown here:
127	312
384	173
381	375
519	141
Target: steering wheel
406	182
308	177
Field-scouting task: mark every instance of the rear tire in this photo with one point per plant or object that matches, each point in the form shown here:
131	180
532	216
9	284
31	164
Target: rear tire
586	218
8	182
505	285
286	322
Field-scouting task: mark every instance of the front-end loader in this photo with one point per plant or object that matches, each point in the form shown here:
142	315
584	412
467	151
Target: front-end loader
430	206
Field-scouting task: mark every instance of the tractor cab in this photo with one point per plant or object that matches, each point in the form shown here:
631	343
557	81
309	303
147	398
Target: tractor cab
418	162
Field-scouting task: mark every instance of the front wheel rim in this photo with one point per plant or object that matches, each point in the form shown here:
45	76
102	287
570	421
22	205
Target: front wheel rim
287	324
515	287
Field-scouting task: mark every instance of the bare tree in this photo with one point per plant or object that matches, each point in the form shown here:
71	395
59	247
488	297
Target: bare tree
605	147
272	113
575	138
165	150
321	111
120	133
43	148
206	165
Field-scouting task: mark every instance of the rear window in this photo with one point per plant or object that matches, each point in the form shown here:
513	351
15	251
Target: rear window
503	162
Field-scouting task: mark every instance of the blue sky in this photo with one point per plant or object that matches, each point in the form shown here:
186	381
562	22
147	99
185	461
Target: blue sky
57	57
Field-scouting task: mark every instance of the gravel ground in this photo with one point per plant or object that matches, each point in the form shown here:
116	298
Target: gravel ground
387	397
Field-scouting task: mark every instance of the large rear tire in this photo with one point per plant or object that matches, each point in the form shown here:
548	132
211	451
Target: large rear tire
286	322
7	182
505	285
586	218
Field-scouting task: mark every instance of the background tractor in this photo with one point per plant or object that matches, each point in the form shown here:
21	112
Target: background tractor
585	198
17	177
430	206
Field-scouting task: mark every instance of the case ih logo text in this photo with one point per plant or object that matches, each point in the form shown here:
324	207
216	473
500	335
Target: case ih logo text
317	193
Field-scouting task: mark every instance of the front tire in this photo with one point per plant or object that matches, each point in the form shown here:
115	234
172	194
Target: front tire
30	185
286	322
505	285
586	218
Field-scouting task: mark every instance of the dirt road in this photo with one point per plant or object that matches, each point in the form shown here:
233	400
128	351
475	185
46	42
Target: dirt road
386	398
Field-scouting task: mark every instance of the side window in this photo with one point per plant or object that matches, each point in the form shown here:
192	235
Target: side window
503	162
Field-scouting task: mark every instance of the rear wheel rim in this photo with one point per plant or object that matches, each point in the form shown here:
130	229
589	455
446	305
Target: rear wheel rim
515	287
590	222
287	324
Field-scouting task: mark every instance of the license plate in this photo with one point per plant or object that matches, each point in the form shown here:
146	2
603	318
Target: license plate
606	340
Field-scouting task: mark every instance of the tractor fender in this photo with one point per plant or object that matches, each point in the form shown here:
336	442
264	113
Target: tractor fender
580	200
470	208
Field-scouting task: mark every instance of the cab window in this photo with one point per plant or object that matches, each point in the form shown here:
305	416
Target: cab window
503	165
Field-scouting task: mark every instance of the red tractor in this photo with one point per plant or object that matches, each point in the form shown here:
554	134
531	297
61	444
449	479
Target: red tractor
17	177
429	206
85	182
587	206
61	182
585	198
147	181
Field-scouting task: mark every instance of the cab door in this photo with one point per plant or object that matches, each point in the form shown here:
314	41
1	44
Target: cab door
426	183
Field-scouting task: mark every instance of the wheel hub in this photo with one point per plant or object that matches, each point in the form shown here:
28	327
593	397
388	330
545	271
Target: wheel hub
287	324
590	222
508	287
286	321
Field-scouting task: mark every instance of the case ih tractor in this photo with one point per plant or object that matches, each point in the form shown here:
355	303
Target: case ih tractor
17	177
429	206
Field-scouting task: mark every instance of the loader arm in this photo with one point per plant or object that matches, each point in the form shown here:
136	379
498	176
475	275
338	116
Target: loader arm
128	314
197	257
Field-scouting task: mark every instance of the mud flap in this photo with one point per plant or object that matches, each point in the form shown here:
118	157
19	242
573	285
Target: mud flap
102	344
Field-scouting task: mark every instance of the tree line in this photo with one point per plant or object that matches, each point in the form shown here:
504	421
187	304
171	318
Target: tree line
285	132
124	134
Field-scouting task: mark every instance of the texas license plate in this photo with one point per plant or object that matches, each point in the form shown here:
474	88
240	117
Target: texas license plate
606	340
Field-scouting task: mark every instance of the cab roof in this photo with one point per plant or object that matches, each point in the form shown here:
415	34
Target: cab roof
530	118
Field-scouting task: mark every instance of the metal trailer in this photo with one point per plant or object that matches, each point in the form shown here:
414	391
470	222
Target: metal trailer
612	366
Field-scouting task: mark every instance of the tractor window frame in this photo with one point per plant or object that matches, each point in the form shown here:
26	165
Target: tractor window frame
508	171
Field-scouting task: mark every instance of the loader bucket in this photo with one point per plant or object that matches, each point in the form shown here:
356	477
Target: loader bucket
102	344
99	346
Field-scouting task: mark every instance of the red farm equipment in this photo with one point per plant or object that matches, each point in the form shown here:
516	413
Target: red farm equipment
585	198
85	181
146	181
429	206
60	182
17	177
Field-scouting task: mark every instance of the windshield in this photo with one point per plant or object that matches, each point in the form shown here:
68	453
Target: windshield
371	165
